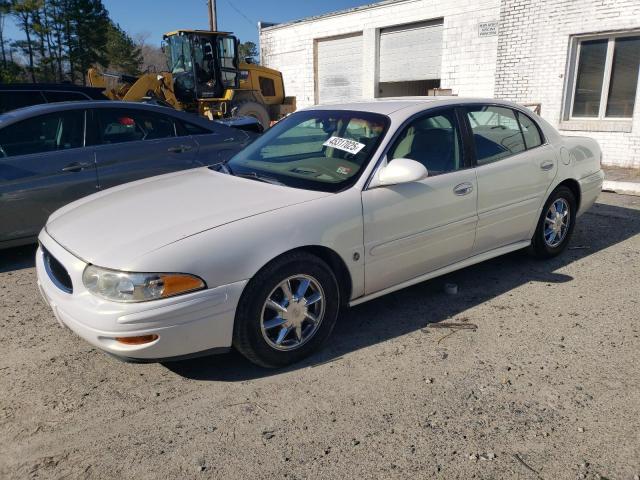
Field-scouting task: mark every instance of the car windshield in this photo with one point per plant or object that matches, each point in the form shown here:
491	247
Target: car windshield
323	150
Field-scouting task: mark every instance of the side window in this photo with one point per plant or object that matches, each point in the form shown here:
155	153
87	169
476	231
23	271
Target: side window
434	141
63	96
46	133
128	125
532	138
267	86
10	100
496	133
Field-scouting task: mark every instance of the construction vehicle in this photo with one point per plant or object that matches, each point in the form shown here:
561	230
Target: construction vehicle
204	76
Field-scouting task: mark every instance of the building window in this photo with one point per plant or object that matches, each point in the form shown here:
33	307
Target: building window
606	77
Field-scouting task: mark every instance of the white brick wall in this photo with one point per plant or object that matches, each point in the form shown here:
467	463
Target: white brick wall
533	51
468	65
526	62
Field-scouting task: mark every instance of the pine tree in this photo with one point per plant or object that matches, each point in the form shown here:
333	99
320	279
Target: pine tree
122	53
23	11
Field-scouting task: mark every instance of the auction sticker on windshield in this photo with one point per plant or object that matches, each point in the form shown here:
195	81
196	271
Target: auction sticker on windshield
344	144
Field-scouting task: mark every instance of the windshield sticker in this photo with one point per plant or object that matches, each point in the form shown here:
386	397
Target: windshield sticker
343	170
344	144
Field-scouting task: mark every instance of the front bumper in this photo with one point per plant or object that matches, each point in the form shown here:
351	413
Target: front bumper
186	325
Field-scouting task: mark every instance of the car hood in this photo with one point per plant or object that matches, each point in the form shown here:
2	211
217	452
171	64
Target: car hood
114	227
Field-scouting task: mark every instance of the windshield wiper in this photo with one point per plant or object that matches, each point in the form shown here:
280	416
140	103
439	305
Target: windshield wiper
255	176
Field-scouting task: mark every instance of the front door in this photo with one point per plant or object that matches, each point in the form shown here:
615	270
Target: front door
514	170
131	144
43	166
415	228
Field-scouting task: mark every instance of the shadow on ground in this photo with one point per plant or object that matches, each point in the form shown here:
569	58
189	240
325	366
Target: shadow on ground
414	308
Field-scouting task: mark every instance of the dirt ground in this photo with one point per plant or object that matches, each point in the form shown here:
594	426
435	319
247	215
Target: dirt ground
547	386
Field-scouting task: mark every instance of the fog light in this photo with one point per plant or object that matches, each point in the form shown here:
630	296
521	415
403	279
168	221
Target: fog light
141	340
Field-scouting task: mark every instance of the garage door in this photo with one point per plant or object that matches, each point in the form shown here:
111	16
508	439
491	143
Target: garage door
339	69
411	52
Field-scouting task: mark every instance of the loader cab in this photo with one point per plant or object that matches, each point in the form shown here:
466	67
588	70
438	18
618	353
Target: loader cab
204	64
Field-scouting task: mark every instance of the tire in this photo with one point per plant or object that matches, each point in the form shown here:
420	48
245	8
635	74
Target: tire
255	110
546	245
258	326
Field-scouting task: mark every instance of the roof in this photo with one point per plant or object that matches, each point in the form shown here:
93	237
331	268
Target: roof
186	30
273	26
34	110
410	105
65	87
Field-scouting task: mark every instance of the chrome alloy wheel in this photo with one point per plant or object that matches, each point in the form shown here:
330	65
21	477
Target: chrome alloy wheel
293	312
556	223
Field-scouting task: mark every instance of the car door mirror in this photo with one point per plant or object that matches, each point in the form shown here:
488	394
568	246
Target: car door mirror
402	170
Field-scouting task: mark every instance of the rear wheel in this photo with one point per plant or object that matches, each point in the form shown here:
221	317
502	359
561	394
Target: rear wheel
286	311
255	110
555	225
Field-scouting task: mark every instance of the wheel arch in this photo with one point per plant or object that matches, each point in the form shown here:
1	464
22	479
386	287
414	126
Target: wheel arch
574	186
335	262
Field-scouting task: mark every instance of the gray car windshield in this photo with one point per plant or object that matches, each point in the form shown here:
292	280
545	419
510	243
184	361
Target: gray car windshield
318	149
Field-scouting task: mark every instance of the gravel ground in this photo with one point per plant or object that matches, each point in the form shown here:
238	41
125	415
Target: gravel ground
547	386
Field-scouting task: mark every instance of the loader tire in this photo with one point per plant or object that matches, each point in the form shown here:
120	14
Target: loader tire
255	110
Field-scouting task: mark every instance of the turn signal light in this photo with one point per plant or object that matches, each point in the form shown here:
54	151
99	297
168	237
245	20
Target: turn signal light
175	284
141	340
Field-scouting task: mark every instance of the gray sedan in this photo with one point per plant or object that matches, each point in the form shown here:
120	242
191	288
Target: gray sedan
53	154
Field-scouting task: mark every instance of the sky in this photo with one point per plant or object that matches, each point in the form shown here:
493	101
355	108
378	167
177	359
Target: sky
155	17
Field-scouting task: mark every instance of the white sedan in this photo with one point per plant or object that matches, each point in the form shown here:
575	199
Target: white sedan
333	206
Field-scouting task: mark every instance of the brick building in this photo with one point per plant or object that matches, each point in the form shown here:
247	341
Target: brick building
578	60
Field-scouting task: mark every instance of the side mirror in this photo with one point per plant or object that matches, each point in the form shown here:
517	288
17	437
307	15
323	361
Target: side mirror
402	170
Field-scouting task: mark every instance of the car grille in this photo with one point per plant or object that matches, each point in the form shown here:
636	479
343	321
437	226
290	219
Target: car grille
58	274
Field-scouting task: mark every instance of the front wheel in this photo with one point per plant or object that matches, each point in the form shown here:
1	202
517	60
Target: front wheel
286	311
555	225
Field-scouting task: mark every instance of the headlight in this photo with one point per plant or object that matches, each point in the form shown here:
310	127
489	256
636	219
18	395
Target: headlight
138	287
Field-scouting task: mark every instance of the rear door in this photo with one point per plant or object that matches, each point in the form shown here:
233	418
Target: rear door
514	169
43	166
131	144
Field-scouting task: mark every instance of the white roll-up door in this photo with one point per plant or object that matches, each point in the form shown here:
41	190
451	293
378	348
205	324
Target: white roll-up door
339	69
411	52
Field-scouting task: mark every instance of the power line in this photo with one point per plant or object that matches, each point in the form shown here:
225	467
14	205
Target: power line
241	14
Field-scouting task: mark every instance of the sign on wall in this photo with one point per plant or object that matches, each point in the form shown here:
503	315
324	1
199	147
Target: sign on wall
488	29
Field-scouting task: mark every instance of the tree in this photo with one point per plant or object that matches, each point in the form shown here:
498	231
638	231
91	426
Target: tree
23	11
122	53
5	5
153	58
248	49
88	30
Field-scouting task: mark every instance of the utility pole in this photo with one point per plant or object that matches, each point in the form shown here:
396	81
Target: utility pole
213	21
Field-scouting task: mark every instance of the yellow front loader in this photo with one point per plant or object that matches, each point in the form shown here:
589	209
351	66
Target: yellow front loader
204	76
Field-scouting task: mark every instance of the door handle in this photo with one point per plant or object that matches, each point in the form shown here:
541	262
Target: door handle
76	167
546	166
463	189
179	148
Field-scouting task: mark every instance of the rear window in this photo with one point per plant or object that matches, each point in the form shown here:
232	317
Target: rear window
530	131
186	128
